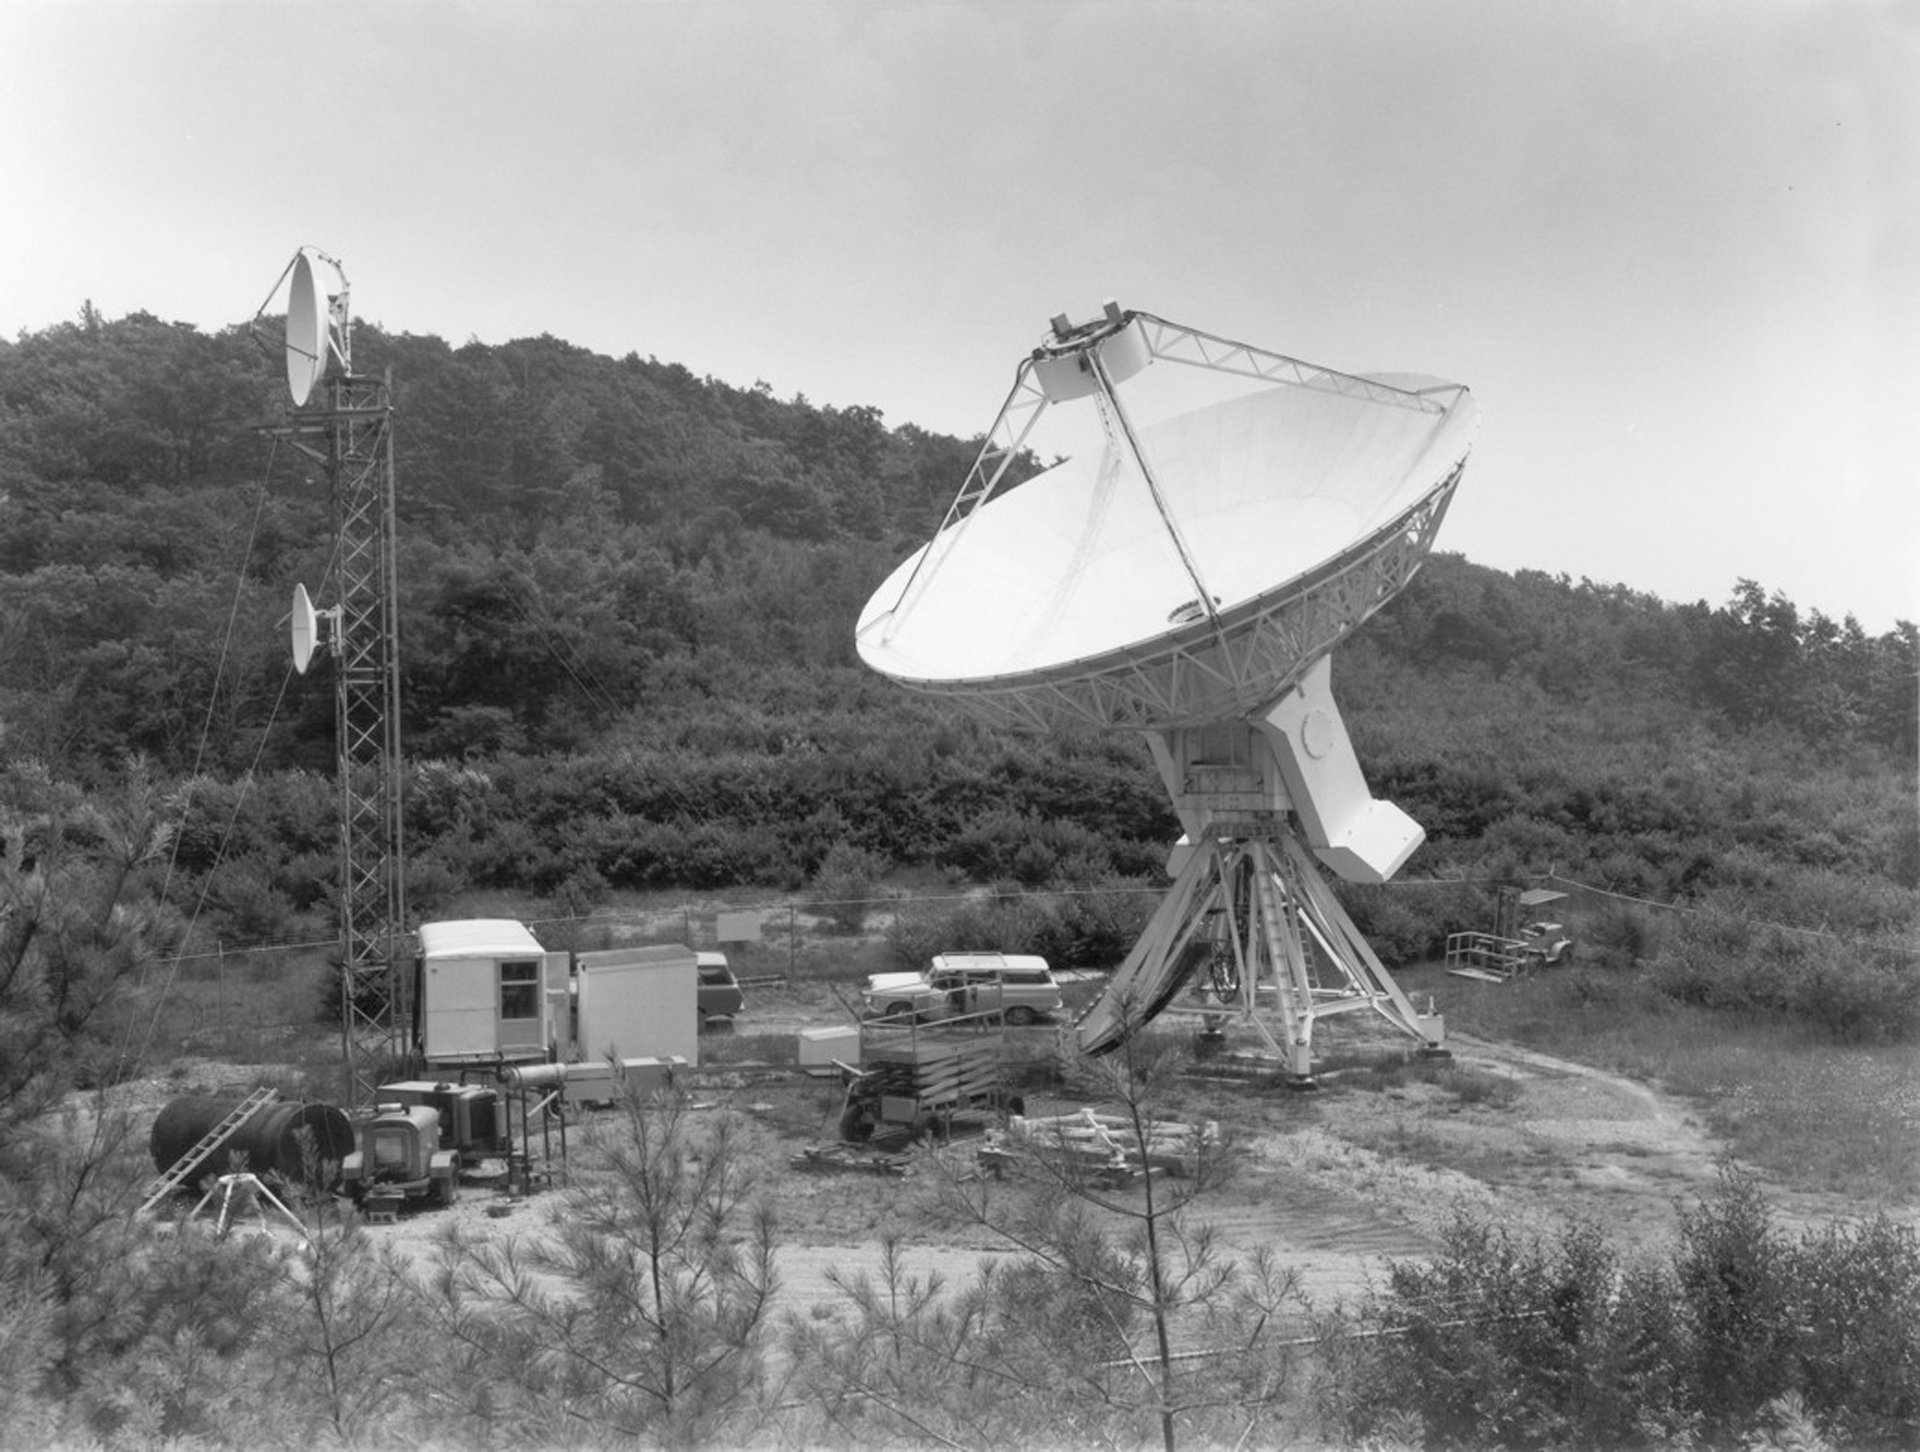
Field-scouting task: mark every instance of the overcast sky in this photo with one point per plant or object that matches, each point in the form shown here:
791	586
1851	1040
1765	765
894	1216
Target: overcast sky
1672	246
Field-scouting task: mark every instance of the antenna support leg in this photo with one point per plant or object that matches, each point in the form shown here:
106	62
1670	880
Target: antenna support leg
1254	922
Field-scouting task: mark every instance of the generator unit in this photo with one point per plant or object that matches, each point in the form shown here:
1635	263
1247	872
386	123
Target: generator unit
400	1159
473	1117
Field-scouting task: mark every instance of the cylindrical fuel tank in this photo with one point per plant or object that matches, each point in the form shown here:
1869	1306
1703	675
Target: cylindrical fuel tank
269	1139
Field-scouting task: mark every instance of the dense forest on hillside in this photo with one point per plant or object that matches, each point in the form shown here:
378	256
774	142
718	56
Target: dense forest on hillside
627	605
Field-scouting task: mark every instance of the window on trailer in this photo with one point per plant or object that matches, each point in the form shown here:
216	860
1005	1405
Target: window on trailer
520	989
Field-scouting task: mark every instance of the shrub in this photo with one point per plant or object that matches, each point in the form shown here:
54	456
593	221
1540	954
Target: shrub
1624	932
846	880
1720	961
1859	1339
1858	1001
245	906
1731	1269
1092	930
583	890
1499	1340
432	885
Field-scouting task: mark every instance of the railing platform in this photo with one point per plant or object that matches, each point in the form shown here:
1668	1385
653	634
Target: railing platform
1486	956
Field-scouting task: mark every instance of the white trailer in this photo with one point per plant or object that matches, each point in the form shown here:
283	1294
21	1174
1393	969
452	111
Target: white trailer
636	1003
489	992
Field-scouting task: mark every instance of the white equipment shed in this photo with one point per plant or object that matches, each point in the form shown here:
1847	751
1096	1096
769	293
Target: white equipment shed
637	1002
490	992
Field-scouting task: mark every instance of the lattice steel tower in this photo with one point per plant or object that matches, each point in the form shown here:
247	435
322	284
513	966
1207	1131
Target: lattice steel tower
352	416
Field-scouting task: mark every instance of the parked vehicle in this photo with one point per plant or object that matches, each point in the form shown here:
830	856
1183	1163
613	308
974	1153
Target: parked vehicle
1019	986
400	1159
902	996
1545	944
719	991
473	1117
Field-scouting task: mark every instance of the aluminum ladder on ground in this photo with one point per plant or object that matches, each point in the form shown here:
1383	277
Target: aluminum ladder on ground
183	1168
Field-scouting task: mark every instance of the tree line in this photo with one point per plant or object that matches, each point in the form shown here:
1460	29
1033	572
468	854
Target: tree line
627	598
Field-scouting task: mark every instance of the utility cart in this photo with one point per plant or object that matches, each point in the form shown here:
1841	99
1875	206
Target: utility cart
916	1076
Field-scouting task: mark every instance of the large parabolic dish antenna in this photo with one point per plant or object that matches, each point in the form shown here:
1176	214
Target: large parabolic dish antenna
1188	577
1190	571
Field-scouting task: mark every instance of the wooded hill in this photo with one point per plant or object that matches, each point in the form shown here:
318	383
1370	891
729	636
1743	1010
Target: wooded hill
628	597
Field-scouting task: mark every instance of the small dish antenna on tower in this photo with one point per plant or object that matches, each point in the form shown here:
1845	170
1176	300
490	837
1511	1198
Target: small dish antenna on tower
317	331
306	632
306	332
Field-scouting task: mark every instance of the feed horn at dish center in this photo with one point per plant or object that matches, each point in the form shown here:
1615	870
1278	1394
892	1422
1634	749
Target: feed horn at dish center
1188	577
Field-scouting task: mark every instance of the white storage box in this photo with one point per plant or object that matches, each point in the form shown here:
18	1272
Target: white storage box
820	1047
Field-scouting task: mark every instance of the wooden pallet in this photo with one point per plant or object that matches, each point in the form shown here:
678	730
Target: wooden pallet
1109	1144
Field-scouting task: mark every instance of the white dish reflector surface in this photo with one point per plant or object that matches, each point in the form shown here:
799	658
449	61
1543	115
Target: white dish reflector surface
306	332
1077	564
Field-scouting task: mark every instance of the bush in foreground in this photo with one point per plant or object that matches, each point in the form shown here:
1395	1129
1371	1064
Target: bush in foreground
1503	1340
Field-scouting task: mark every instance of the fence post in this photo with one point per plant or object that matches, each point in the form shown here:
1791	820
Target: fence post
792	941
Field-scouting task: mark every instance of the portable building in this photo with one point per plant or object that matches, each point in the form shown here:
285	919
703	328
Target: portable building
637	1003
489	992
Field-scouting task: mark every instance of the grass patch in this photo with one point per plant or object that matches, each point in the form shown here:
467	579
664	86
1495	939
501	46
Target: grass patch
236	1008
1469	1086
719	1048
1817	1115
807	1111
1426	1142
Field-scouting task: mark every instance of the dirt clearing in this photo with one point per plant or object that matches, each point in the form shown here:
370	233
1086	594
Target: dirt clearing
1334	1184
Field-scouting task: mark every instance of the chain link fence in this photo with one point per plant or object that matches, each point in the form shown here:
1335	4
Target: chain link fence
273	989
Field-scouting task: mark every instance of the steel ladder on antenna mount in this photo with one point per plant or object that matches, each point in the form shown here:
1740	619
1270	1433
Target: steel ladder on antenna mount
183	1168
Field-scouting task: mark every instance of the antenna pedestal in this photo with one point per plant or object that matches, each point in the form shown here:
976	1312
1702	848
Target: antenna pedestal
1250	915
1296	758
1252	920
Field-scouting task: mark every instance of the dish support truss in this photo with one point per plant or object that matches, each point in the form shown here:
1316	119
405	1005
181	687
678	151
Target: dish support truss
1079	362
1250	913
